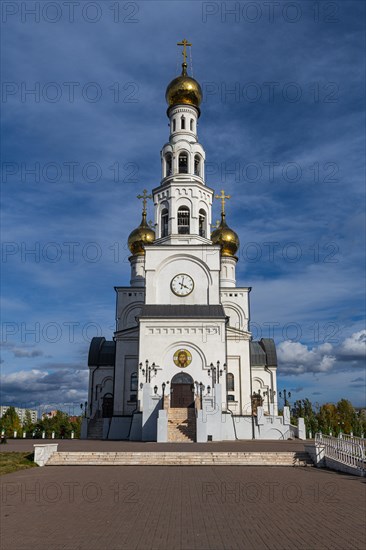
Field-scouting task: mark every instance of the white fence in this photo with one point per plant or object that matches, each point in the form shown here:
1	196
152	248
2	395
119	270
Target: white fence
346	449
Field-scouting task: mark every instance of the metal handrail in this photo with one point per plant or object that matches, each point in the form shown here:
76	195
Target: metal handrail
348	450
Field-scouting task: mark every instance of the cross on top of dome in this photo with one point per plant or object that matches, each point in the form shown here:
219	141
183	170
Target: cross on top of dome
144	198
184	43
223	199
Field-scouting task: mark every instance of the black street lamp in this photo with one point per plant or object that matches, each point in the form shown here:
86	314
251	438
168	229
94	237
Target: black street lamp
212	373
285	394
148	370
270	396
220	371
163	386
201	392
216	372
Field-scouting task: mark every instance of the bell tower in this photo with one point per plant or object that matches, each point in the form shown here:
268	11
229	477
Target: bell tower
183	202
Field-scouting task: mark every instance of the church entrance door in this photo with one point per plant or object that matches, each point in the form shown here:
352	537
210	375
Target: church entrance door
107	406
182	388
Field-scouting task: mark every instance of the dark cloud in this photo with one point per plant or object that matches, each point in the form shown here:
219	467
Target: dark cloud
27	353
35	387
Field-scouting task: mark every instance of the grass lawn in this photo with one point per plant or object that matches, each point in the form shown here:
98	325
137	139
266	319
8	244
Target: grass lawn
12	462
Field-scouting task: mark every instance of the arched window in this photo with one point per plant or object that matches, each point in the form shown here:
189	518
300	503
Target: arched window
230	386
164	222
183	220
191	125
202	223
197	165
183	123
183	163
174	124
134	382
168	164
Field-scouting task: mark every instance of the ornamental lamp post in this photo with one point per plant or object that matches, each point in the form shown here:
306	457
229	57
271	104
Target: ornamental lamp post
219	371
201	392
163	386
285	394
212	373
147	370
270	396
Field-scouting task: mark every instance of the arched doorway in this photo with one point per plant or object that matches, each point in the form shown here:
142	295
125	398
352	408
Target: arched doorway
182	388
107	406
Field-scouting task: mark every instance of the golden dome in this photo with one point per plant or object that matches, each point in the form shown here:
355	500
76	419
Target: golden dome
140	237
226	238
184	90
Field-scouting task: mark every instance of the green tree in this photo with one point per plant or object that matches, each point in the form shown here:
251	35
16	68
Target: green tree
347	417
10	422
328	419
76	426
60	424
361	418
304	409
28	425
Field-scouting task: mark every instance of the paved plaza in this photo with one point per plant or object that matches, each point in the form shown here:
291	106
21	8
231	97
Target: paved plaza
21	445
188	508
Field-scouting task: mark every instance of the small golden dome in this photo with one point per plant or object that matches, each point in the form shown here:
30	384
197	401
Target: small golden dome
226	238
140	237
184	90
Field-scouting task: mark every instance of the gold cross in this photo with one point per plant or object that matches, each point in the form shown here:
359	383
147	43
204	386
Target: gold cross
184	43
222	197
144	198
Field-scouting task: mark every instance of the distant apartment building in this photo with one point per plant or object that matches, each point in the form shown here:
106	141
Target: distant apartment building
20	412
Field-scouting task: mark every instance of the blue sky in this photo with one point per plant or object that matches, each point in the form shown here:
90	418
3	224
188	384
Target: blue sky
283	128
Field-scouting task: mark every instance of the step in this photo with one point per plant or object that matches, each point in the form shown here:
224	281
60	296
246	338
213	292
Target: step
179	458
95	428
181	425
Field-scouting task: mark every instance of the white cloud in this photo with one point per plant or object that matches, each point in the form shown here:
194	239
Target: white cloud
24	377
296	358
355	345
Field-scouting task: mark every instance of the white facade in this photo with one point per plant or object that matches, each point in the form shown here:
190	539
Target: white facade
182	313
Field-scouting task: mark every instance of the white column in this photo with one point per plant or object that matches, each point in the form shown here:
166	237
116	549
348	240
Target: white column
137	270
228	272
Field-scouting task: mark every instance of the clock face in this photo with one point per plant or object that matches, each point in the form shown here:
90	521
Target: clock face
182	284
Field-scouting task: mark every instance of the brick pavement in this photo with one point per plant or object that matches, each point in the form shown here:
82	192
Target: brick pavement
181	508
92	445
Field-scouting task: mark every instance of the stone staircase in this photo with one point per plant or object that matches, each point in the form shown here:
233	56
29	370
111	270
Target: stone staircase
181	425
95	428
221	458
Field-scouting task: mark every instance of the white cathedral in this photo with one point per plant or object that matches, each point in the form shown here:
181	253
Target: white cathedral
182	365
